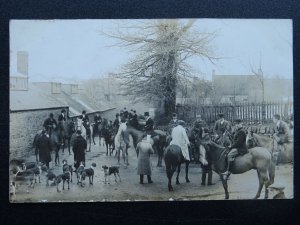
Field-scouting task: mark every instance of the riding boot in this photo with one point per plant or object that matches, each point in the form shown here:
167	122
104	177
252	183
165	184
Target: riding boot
149	179
203	178
209	182
141	178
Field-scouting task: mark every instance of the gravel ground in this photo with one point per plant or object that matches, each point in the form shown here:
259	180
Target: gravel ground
243	186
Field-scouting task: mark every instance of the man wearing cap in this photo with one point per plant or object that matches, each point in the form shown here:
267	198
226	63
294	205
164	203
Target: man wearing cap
172	123
239	143
282	134
180	138
85	117
79	147
220	125
196	136
50	124
149	127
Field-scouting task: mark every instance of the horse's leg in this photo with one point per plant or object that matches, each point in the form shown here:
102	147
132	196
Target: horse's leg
93	137
178	172
63	145
169	175
106	148
260	186
118	154
265	181
57	155
69	145
225	186
187	171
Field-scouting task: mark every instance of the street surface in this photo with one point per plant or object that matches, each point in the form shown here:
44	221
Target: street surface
243	186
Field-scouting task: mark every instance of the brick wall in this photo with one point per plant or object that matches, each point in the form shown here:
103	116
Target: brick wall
23	127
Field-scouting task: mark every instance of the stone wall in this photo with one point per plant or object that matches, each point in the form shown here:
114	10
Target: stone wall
24	125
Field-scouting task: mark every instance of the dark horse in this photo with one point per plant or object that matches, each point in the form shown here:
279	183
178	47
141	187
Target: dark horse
257	158
159	141
66	135
108	135
173	160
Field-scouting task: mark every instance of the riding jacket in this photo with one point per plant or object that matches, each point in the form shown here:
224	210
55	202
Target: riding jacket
239	141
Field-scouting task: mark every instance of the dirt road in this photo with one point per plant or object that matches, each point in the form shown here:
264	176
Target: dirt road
243	186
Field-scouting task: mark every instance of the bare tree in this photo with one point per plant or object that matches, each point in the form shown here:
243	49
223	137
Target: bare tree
162	48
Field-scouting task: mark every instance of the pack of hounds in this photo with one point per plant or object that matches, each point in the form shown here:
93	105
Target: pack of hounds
33	170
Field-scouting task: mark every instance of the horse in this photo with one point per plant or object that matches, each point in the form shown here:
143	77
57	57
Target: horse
159	141
254	140
173	159
69	130
108	139
257	158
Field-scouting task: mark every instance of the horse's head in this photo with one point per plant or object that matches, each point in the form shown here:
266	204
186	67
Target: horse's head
250	141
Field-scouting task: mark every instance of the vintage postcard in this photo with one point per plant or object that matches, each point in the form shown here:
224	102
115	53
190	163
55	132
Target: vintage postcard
151	110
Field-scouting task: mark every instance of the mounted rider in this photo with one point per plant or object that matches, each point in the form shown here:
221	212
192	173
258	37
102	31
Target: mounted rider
134	120
50	124
149	127
221	125
97	119
239	146
85	117
180	138
172	123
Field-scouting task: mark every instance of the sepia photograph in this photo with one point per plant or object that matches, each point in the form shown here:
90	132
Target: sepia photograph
114	110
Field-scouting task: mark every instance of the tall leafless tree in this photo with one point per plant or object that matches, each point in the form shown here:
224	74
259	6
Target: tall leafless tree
162	48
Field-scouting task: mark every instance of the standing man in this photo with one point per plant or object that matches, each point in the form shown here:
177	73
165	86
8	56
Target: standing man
220	125
50	124
117	122
44	147
282	135
144	148
79	147
196	136
239	144
180	138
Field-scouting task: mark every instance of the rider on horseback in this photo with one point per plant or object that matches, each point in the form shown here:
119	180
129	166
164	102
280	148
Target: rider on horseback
239	144
97	119
180	138
149	127
173	123
50	124
220	125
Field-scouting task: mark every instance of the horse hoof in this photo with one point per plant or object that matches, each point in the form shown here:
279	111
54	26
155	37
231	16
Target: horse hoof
177	182
188	181
171	189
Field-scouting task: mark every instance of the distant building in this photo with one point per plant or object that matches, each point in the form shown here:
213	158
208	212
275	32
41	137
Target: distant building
248	88
19	80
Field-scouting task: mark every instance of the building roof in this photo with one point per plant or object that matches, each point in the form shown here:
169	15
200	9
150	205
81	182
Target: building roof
33	98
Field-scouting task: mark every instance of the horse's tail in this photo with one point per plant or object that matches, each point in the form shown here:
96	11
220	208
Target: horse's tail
271	170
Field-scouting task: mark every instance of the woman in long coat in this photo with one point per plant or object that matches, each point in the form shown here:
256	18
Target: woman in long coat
44	148
144	166
79	147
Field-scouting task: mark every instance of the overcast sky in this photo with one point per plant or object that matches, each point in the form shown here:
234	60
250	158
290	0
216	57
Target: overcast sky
74	49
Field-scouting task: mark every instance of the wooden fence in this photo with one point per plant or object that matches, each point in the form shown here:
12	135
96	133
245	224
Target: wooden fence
248	112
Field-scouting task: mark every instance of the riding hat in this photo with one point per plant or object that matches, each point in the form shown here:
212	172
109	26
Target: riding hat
174	114
146	114
78	132
51	115
83	112
180	122
221	115
238	121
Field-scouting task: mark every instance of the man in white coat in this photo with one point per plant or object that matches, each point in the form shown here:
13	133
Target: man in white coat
180	138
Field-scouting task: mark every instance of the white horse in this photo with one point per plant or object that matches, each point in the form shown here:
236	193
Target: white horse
120	144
